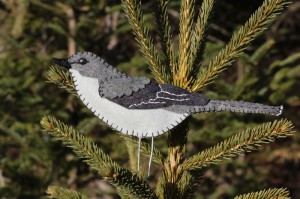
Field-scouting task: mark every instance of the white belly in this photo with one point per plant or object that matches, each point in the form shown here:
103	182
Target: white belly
136	122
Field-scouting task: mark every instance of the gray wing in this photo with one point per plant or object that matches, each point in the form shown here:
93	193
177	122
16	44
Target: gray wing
155	96
121	86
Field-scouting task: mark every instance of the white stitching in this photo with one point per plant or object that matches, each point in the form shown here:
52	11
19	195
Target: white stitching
126	131
152	101
171	93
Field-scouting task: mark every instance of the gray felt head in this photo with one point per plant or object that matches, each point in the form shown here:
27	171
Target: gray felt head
88	64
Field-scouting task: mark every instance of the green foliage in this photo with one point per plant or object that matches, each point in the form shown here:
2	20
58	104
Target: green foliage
61	78
200	35
25	153
186	33
135	17
176	180
32	32
164	30
122	178
83	147
61	193
266	194
245	141
258	22
192	40
189	183
286	73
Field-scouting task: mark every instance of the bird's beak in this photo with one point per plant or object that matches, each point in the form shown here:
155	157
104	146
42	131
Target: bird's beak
62	62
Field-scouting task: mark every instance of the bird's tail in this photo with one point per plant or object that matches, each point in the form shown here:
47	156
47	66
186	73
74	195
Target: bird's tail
239	106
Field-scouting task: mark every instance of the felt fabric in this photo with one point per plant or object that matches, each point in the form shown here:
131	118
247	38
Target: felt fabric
239	106
139	106
112	83
155	96
122	86
137	122
227	105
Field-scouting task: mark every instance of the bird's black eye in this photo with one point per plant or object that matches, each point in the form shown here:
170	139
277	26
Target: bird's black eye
82	61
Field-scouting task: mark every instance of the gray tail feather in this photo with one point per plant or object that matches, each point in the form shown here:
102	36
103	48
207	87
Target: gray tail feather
239	106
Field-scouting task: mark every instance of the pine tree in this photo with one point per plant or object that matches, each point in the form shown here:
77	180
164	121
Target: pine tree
180	176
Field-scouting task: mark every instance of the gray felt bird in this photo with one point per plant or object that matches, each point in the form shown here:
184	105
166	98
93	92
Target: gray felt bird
138	106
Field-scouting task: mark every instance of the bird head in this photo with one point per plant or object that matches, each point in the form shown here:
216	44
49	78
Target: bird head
86	63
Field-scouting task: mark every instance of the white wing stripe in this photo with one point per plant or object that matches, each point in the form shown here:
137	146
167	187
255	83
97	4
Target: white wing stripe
152	101
179	95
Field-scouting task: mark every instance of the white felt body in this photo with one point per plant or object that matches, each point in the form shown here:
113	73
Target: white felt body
136	122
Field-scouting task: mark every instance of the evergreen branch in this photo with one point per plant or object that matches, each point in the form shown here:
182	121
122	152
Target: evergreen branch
81	145
261	52
134	14
189	182
185	44
161	185
277	193
146	149
61	78
247	140
258	22
61	193
132	184
164	30
97	159
132	151
168	183
200	34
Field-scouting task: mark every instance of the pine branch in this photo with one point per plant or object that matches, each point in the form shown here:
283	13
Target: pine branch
183	185
161	186
168	183
276	193
61	193
97	159
61	78
261	52
132	184
132	151
185	44
146	149
134	14
200	33
258	22
164	30
247	140
82	146
188	183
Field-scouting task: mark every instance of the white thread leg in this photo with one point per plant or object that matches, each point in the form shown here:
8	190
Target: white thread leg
151	154
139	153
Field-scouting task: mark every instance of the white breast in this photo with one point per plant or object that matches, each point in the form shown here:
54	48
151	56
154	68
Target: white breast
137	122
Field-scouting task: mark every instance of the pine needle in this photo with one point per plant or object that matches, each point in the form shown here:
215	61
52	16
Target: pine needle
97	159
257	23
276	193
200	33
185	44
188	183
61	193
247	140
134	14
61	78
164	30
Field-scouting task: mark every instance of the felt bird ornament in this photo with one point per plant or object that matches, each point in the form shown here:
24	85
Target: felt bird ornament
139	106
